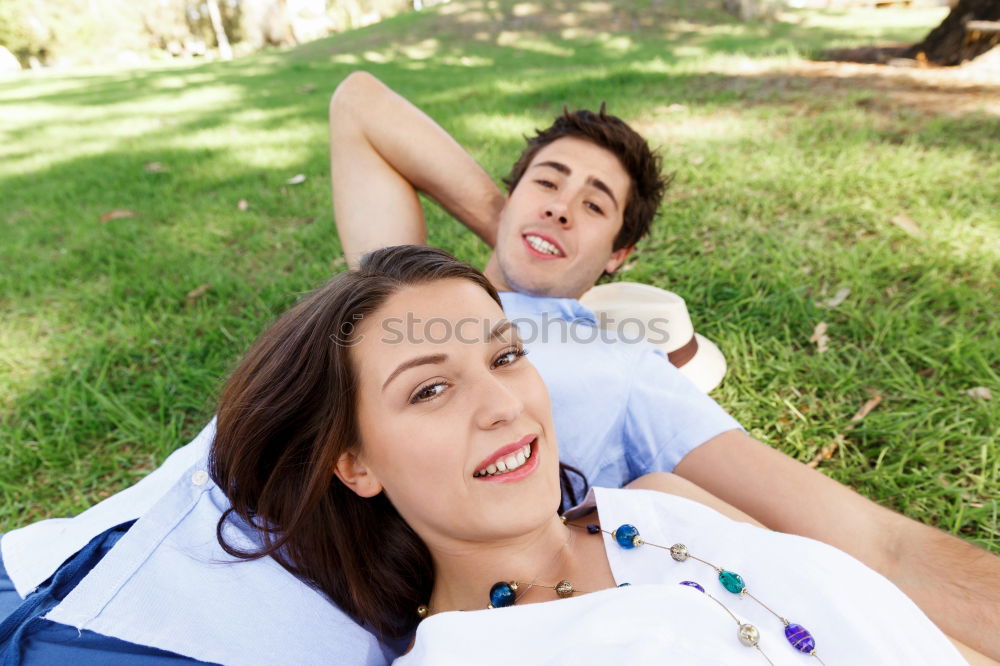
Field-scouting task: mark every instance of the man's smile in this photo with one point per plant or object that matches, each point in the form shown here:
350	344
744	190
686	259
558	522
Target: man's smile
543	246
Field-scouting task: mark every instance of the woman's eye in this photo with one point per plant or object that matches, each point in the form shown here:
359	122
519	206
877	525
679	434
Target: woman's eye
548	184
594	207
509	357
428	392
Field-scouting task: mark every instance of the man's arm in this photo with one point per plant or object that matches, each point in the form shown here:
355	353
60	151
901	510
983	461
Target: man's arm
954	582
383	150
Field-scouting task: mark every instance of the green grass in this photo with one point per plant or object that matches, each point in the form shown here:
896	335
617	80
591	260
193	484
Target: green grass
786	186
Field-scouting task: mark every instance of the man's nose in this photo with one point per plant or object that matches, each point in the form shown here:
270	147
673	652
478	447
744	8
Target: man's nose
559	211
499	404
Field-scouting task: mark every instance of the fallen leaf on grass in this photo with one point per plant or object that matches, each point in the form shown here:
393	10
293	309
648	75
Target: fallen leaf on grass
866	408
820	337
697	159
155	167
242	204
307	88
827	451
979	393
116	214
296	179
837	299
906	223
198	292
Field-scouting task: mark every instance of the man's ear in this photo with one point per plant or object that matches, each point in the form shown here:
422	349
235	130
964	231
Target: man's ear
353	473
617	258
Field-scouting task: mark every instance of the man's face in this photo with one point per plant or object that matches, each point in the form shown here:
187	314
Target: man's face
559	224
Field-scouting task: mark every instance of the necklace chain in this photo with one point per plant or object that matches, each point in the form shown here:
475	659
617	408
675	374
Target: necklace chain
507	593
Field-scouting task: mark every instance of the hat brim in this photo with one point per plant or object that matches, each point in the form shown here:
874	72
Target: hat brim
708	366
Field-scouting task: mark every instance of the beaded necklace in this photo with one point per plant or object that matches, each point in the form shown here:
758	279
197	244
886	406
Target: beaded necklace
506	593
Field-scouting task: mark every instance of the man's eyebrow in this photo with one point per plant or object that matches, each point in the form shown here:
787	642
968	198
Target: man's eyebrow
414	362
596	183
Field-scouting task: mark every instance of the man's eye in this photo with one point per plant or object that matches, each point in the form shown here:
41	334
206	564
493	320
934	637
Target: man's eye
509	357
428	392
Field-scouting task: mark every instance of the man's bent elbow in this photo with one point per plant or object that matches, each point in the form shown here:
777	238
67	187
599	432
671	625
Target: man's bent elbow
355	87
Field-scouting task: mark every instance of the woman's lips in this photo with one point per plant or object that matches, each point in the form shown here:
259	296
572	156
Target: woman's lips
515	452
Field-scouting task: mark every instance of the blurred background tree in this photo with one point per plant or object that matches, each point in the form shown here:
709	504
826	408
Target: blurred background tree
67	32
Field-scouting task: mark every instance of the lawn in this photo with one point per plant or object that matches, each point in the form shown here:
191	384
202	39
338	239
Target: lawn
132	278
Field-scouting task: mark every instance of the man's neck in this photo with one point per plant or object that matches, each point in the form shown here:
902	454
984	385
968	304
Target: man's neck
495	275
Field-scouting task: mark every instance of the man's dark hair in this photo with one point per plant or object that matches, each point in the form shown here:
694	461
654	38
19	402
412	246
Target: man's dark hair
614	135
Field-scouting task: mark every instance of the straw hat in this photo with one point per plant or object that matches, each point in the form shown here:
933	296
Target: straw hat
663	318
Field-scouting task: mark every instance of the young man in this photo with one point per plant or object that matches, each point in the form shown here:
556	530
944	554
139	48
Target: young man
580	197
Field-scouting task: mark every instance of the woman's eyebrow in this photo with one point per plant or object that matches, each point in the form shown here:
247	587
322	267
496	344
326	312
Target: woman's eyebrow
414	362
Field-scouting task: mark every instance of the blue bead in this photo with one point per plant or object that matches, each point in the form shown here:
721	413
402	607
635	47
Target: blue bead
502	594
593	528
800	638
691	583
626	536
625	585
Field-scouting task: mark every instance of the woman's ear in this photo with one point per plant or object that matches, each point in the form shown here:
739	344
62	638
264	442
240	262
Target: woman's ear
354	474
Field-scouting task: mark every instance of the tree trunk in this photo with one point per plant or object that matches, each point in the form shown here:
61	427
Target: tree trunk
953	42
220	30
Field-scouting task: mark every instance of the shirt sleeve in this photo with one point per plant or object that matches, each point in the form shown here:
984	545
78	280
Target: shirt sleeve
667	417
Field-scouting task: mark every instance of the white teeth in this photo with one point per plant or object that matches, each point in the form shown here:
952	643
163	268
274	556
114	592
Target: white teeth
507	464
542	245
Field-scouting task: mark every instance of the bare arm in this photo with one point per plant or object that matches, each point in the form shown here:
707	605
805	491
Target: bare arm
383	150
954	582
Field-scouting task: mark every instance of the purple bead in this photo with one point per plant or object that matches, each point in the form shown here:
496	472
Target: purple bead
800	638
593	528
691	583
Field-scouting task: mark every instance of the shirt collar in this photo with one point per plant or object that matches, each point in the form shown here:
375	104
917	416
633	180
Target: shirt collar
570	309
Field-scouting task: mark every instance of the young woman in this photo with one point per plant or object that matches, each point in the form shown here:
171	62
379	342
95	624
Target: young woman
386	449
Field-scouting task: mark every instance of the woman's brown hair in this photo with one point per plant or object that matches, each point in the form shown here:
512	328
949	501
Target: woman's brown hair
288	413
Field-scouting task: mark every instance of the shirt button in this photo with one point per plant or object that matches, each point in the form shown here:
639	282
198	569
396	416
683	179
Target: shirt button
199	478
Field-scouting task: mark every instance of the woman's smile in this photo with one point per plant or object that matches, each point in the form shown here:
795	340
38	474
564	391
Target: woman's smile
510	463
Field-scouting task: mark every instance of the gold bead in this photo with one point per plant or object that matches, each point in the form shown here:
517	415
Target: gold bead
564	519
423	611
748	635
514	585
564	589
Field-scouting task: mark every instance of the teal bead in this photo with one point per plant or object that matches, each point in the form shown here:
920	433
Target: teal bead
733	582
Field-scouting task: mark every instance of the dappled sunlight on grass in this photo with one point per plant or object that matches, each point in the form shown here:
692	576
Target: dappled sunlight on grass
492	127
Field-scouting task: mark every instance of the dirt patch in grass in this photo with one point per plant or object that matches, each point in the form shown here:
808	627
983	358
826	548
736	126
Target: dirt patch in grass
947	91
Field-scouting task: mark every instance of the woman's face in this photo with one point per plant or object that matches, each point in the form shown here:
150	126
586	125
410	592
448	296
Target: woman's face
446	404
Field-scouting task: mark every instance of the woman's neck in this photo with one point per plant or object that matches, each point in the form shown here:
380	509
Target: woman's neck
464	575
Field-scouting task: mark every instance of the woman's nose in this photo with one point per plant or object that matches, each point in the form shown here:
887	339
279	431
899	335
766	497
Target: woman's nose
499	403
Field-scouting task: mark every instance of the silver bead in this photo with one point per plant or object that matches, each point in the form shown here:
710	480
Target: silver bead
748	635
679	552
564	589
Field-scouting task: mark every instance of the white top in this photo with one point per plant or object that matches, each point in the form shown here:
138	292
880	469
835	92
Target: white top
856	615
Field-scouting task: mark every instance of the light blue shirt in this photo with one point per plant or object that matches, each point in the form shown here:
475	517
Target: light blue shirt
621	410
